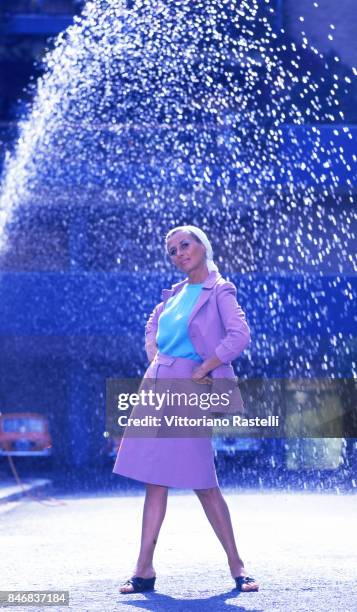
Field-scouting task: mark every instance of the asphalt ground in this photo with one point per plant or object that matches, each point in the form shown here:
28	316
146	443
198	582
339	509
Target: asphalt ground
302	547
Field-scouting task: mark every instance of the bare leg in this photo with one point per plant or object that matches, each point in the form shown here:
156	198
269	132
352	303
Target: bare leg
153	515
217	512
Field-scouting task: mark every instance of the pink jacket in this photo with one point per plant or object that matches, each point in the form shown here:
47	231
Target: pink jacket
217	324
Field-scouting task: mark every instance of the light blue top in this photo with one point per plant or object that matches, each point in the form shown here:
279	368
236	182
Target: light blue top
172	335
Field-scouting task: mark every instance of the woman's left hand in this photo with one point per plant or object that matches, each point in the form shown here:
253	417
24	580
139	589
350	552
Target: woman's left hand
200	376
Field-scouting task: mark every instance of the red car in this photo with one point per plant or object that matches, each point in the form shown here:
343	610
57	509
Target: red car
24	434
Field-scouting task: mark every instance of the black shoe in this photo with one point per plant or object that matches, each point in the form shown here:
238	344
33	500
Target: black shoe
140	584
249	581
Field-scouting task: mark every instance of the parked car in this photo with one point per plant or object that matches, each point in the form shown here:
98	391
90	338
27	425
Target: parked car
231	445
111	445
228	444
24	434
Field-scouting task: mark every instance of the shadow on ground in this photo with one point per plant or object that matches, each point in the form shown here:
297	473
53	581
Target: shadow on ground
157	602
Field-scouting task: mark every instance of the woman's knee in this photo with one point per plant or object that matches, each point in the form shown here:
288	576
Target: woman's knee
157	490
207	493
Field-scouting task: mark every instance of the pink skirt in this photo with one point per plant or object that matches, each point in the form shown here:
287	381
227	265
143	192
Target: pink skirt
179	462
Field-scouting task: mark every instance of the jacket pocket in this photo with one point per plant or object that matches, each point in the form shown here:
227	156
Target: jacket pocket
231	400
162	359
223	371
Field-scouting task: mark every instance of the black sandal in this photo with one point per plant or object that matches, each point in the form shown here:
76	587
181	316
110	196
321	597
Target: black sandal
139	584
240	580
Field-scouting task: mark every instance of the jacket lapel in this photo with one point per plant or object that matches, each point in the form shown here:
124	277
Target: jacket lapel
167	293
209	283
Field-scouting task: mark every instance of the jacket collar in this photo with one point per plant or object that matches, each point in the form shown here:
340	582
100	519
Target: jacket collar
210	281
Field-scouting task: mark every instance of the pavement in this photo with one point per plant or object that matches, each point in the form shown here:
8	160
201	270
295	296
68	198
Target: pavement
11	491
302	547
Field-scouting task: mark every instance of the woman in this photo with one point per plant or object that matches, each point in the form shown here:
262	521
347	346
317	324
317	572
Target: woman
194	333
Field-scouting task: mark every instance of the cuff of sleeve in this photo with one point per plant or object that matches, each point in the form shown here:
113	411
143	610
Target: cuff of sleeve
221	353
